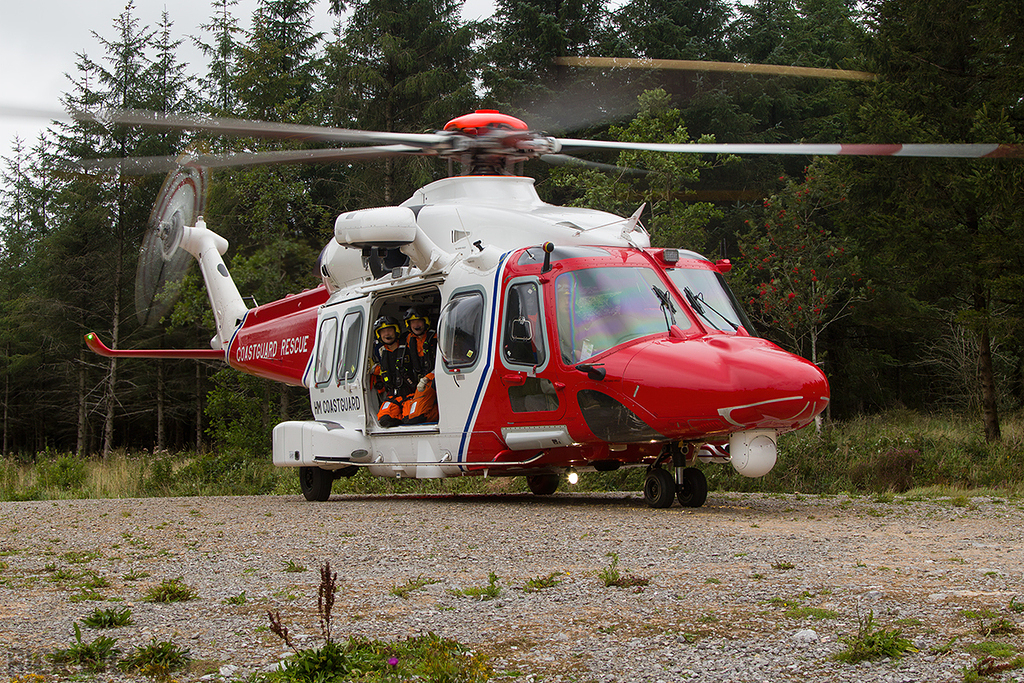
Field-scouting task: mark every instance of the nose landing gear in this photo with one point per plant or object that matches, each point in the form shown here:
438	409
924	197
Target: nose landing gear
688	484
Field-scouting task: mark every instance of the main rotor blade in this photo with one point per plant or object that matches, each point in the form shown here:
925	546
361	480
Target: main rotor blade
567	160
256	129
727	67
165	164
951	151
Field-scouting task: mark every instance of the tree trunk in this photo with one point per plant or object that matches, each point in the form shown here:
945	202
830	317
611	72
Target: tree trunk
7	400
82	448
986	371
199	408
987	375
160	389
108	423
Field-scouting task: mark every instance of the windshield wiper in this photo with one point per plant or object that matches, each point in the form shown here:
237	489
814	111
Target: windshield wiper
667	307
698	303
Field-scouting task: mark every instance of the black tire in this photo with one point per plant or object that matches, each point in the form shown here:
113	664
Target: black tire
315	483
694	490
543	484
659	488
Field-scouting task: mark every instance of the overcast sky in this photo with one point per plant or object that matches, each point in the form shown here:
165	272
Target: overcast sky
40	38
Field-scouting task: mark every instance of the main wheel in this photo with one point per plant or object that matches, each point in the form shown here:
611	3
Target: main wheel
694	490
542	484
659	488
315	483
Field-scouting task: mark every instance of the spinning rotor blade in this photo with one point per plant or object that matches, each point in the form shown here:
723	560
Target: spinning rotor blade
726	67
162	262
567	160
257	129
946	151
165	164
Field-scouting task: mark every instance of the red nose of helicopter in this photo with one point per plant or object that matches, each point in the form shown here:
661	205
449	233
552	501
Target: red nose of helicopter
721	384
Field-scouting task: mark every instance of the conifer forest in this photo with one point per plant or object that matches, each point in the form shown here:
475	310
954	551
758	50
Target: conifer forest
903	278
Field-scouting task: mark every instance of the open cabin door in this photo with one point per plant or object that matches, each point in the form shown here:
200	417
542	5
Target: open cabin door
336	384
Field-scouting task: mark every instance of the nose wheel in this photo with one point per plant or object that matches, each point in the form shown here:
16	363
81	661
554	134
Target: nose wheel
687	484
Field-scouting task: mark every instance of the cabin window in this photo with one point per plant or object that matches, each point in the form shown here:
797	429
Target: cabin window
351	347
522	337
461	329
326	345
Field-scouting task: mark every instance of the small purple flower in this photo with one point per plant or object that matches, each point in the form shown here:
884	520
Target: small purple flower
393	661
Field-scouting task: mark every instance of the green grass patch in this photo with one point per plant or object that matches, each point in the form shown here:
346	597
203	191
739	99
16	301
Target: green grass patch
158	659
871	642
109	618
403	591
488	592
171	590
94	656
612	577
428	658
539	584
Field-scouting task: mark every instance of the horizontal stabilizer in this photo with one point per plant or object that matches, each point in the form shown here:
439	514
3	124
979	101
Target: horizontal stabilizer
96	346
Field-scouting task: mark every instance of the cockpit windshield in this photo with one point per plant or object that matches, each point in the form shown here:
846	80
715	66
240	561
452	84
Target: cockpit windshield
598	308
710	298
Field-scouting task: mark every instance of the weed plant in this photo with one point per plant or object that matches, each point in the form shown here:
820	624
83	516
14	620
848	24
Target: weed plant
872	642
171	590
411	585
549	581
109	618
93	656
611	576
428	658
488	592
156	660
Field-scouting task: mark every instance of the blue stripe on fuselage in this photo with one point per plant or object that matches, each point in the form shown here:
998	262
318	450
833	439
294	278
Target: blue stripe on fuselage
487	361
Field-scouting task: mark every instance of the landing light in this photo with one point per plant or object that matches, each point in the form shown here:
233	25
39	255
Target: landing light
572	477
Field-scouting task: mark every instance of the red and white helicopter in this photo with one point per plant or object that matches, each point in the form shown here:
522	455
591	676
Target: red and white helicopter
565	341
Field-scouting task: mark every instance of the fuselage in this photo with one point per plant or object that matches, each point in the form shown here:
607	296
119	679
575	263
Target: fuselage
596	354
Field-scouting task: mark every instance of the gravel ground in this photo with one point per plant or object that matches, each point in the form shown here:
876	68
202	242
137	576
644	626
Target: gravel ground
728	595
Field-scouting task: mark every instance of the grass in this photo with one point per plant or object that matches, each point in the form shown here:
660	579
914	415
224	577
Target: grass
109	618
611	576
924	456
539	584
94	656
171	590
403	591
239	599
428	658
871	642
488	592
158	659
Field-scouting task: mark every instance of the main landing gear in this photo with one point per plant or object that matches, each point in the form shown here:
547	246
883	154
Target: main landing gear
316	483
688	484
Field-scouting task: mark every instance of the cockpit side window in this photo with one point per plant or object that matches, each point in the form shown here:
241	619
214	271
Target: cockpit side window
522	331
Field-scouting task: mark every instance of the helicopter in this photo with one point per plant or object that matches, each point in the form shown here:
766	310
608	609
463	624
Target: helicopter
564	341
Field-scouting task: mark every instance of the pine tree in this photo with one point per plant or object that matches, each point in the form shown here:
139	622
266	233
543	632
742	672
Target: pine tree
219	84
402	66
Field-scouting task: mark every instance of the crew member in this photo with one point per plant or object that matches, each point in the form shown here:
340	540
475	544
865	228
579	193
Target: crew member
421	347
393	381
